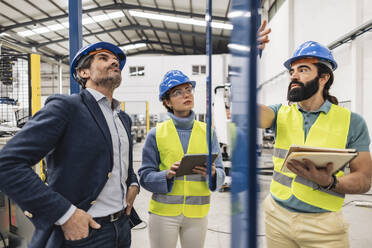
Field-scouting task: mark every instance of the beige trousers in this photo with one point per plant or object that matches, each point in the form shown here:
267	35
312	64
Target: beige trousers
287	229
164	231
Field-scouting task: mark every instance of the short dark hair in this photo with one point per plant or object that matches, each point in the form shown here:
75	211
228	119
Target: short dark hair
84	64
166	96
324	69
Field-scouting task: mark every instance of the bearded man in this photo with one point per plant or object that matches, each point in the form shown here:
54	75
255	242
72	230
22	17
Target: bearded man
303	208
87	142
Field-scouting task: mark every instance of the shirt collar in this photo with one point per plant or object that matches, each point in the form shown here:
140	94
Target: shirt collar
101	97
324	108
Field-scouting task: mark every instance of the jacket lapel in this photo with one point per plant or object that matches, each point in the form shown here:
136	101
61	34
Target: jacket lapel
98	116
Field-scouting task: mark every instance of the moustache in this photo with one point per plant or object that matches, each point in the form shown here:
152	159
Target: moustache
295	82
113	67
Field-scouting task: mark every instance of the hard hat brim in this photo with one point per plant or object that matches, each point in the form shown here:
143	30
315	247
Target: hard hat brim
287	64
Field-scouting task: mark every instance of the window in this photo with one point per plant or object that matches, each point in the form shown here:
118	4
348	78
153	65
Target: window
136	71
195	70
198	69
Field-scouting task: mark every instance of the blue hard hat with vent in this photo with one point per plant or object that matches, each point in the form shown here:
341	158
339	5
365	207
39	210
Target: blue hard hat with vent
95	47
312	49
172	79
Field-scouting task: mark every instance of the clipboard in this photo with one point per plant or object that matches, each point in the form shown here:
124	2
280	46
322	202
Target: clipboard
189	161
320	156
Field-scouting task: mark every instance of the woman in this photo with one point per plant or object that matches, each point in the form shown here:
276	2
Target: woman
179	205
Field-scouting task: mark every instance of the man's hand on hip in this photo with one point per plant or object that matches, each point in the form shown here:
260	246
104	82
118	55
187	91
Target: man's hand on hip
131	196
308	170
77	227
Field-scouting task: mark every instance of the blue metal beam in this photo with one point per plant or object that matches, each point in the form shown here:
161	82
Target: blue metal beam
75	35
252	124
209	48
243	71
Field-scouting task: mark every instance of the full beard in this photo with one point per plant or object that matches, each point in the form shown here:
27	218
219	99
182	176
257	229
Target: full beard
303	92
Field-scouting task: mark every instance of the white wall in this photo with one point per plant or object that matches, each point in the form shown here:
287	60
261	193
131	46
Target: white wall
325	22
50	82
135	90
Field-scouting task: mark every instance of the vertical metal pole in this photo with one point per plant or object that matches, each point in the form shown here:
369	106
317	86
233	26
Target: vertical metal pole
209	47
147	117
60	81
252	125
75	32
35	80
29	86
243	69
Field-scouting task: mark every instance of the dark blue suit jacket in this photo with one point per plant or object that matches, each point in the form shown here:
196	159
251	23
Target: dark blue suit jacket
72	133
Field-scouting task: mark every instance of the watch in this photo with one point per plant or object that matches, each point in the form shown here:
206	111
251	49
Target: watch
331	185
335	182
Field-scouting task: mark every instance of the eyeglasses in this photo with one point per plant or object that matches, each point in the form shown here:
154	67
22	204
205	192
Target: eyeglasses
179	92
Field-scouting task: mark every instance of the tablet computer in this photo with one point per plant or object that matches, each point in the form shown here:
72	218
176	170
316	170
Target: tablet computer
189	161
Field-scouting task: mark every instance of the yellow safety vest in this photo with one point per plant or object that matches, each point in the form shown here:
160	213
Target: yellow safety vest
190	195
329	130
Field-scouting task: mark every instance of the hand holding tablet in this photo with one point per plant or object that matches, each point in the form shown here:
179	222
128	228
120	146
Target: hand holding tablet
190	161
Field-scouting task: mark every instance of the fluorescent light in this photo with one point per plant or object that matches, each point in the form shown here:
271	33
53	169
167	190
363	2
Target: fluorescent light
100	18
4	34
84	21
239	13
26	33
221	25
167	18
241	48
114	15
56	27
41	30
87	20
182	20
133	46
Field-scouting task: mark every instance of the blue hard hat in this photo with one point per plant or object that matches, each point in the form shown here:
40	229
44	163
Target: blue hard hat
172	79
95	47
312	49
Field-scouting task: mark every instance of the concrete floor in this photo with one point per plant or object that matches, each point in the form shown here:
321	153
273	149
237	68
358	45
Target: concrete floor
219	230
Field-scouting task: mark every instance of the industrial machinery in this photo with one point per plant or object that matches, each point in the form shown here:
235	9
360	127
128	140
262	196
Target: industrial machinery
140	119
223	126
19	99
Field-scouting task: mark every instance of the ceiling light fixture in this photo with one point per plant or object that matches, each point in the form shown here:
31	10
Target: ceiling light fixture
84	21
239	47
182	20
133	46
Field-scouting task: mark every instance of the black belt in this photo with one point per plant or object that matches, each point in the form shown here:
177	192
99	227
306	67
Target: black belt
112	217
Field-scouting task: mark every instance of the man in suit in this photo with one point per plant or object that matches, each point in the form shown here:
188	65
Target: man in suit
87	143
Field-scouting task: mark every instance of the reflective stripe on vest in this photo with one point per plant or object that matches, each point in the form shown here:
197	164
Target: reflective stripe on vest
329	130
179	199
190	194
